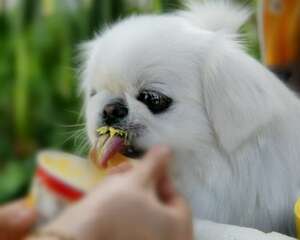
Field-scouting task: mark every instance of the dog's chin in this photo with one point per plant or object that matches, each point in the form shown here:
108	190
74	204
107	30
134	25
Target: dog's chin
132	149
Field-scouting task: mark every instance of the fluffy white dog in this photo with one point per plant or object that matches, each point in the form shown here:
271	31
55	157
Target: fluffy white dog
183	79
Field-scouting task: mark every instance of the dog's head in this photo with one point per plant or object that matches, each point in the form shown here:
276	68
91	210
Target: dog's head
179	79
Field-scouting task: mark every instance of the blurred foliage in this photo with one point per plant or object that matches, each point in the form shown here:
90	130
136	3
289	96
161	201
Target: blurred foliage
39	100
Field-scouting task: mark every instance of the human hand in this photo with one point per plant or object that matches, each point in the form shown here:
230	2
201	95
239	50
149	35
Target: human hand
16	219
138	204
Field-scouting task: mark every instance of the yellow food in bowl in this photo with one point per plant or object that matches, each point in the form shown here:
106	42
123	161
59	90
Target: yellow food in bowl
71	169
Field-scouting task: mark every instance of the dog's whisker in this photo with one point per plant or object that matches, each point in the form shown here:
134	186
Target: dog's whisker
78	137
72	125
74	134
70	131
84	145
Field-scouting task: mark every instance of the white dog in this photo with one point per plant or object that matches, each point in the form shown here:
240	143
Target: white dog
183	79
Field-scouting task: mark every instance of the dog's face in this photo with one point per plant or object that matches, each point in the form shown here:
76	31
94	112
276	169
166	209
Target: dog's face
144	76
180	80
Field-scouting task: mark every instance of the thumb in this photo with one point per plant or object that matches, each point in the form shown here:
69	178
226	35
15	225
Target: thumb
16	219
179	208
153	166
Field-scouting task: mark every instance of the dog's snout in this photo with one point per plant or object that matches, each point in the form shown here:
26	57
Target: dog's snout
114	113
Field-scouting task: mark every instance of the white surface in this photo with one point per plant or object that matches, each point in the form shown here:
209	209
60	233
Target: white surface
205	230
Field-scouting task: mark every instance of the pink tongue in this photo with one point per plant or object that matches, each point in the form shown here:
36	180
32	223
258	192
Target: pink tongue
110	148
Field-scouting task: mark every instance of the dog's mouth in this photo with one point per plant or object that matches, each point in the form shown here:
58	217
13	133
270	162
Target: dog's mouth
132	151
111	141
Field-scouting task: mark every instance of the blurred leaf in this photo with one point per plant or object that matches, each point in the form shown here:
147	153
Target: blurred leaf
168	5
14	176
30	11
100	14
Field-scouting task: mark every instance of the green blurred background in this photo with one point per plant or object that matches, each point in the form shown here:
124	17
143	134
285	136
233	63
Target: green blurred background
40	106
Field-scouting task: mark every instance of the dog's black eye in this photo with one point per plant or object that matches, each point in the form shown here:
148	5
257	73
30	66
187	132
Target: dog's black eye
155	101
93	92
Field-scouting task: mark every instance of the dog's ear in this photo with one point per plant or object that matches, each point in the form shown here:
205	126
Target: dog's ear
240	95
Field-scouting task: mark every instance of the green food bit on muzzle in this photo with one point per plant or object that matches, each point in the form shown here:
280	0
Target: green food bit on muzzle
112	132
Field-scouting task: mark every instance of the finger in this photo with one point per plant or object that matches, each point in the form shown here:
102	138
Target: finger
181	213
153	166
170	197
165	189
179	207
16	219
122	168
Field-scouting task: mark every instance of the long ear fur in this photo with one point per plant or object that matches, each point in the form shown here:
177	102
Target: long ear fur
240	95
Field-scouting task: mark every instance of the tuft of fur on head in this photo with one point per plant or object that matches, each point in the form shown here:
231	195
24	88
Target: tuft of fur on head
222	15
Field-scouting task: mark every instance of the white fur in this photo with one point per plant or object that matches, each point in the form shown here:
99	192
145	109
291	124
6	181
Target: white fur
216	15
234	127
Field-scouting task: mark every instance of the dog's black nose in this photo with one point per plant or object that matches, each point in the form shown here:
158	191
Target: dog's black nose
114	112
